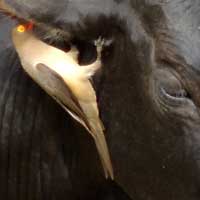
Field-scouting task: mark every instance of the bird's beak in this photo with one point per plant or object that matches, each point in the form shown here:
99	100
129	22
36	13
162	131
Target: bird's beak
59	74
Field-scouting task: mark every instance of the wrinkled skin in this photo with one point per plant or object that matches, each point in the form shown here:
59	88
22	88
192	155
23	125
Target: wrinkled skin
148	94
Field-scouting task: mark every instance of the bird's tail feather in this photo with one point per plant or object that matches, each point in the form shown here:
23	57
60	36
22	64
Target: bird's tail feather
101	144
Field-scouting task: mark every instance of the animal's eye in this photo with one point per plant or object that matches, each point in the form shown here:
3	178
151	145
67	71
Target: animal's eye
171	94
170	89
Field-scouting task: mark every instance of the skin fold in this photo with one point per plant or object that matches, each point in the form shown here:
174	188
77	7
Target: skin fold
148	94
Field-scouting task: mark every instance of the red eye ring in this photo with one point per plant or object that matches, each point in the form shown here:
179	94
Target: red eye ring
29	26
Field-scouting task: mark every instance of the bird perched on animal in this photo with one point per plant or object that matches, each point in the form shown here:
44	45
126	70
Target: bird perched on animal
60	75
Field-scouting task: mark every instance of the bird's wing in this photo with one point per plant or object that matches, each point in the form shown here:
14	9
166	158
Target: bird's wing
54	84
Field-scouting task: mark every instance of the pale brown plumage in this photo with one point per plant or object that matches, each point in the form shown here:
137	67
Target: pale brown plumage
59	74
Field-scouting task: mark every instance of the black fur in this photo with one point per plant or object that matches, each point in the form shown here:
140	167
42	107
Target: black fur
153	138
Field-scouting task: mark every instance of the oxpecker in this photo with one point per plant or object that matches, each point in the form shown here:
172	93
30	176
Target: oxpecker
60	75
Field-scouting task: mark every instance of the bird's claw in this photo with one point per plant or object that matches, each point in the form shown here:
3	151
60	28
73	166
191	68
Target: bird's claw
99	43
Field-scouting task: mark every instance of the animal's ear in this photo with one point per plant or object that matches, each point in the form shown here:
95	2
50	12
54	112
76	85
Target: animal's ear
56	87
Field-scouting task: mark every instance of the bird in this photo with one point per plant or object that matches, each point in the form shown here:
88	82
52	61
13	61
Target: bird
60	76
